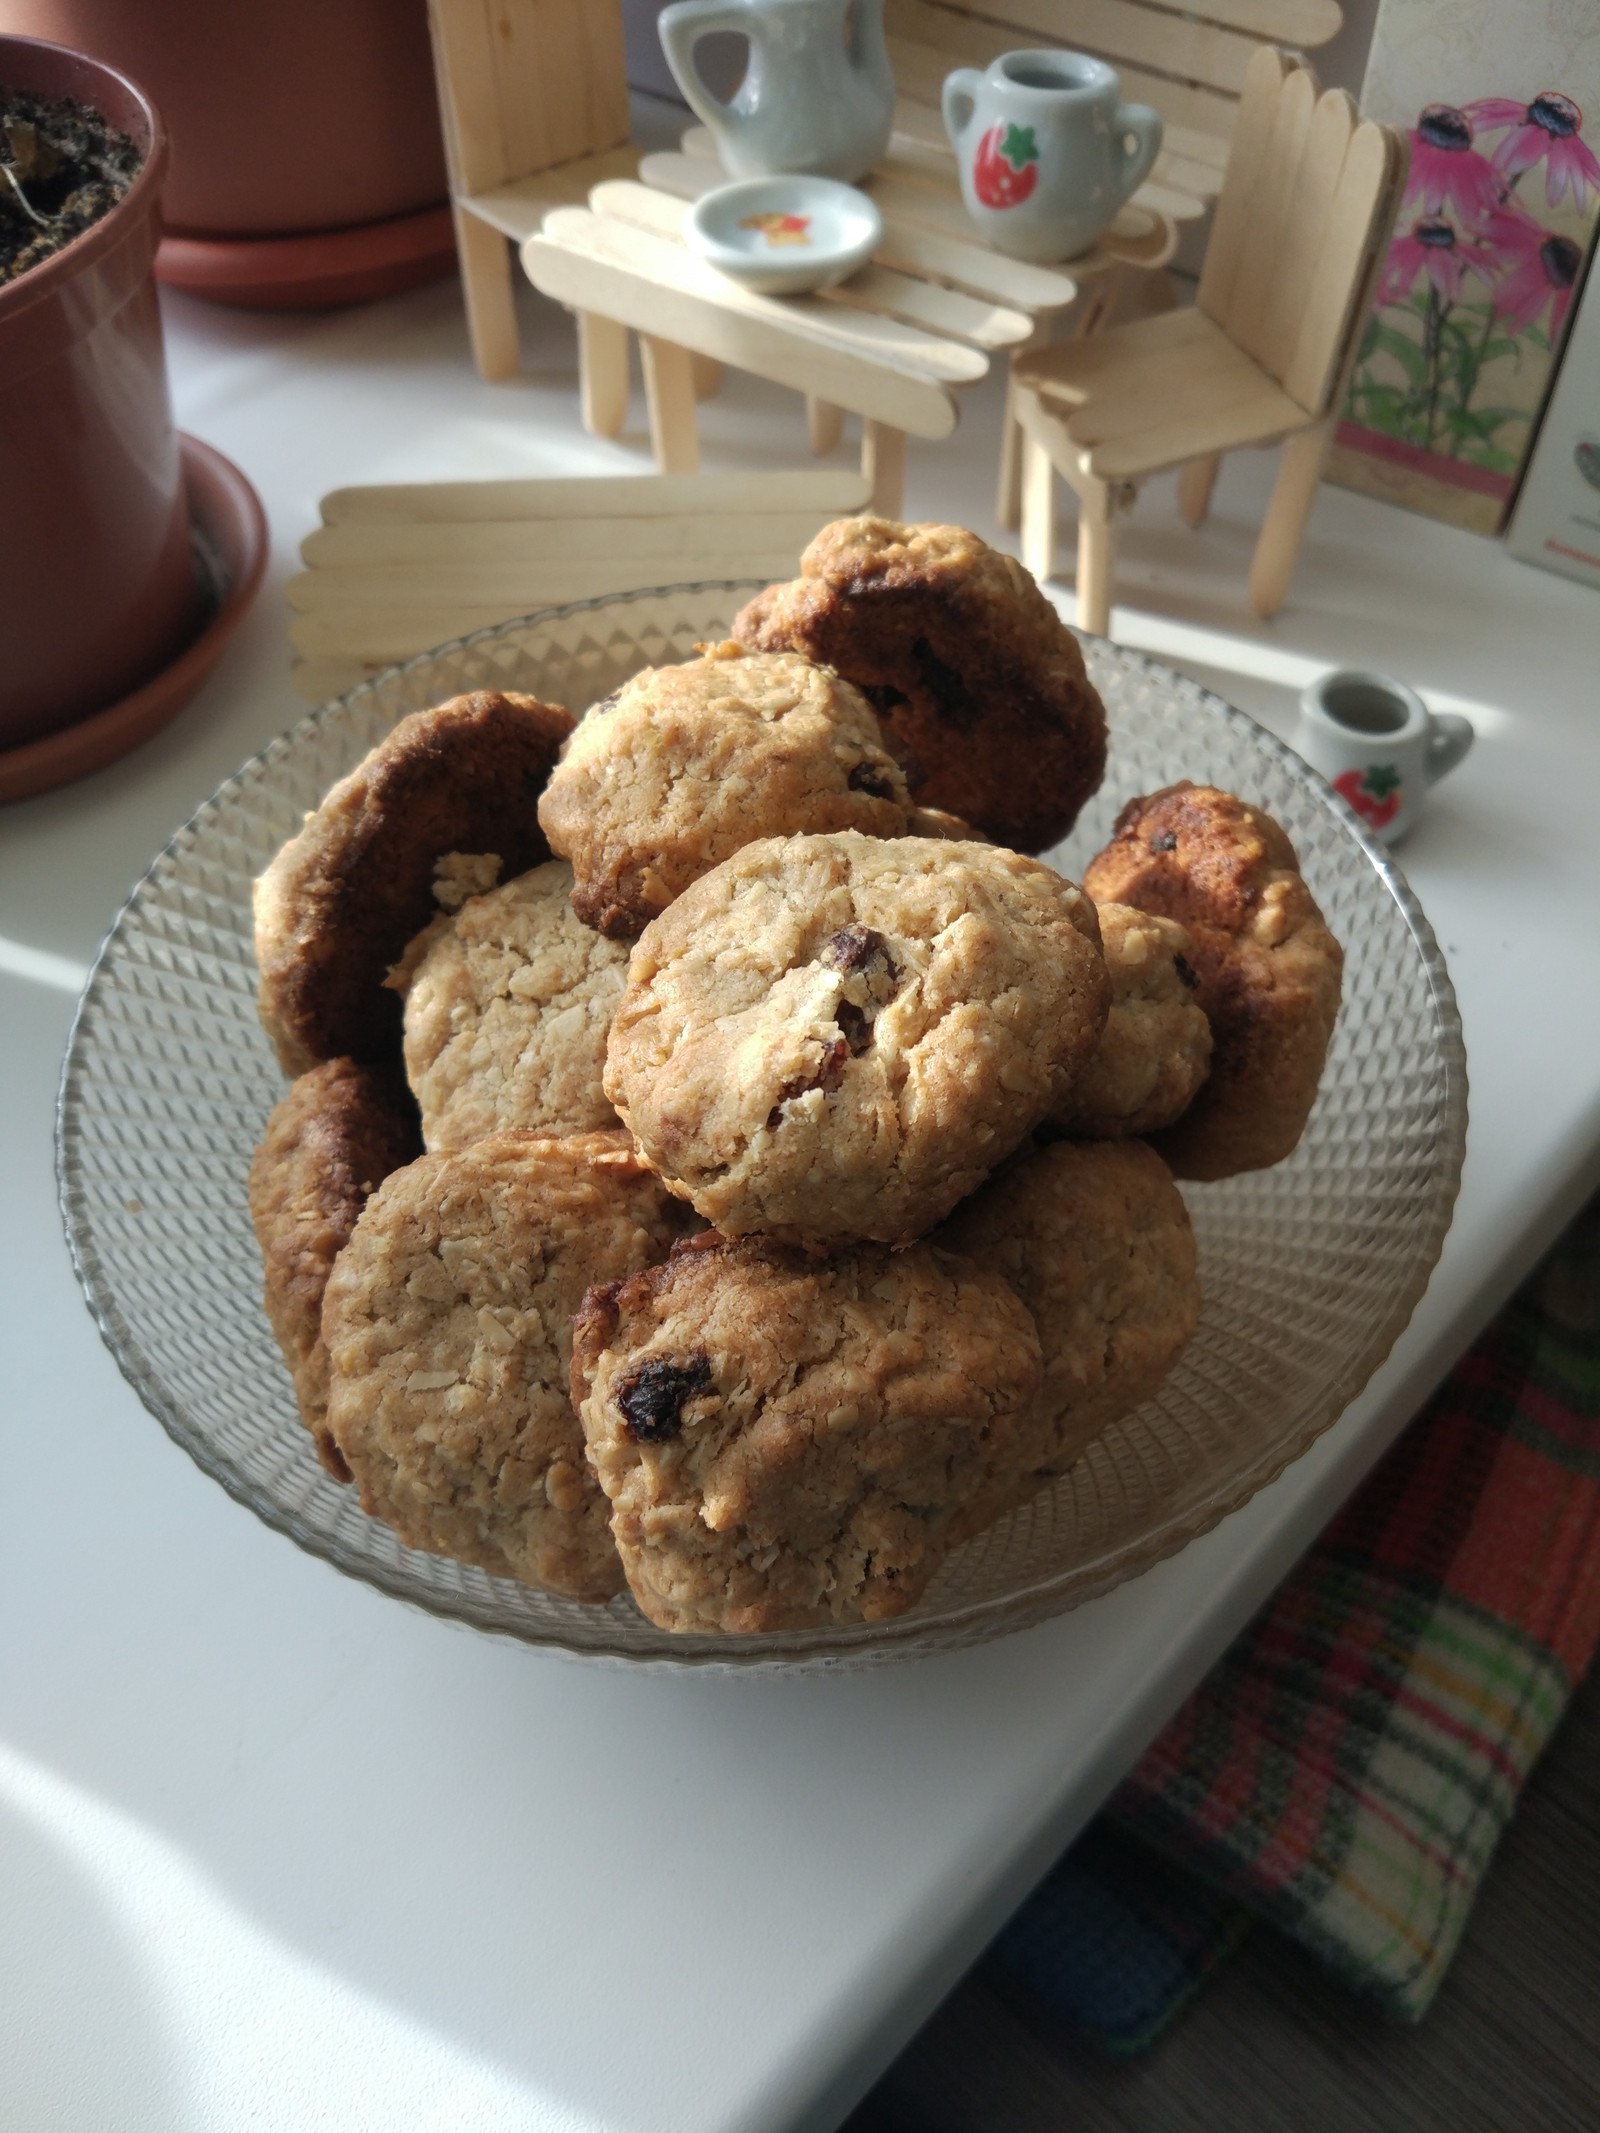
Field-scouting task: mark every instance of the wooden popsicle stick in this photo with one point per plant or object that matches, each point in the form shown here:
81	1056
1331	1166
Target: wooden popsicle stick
824	424
602	374
630	496
669	396
518	208
1195	50
360	546
707	376
883	461
486	285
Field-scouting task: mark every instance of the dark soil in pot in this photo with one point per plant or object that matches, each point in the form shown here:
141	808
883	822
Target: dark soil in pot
61	168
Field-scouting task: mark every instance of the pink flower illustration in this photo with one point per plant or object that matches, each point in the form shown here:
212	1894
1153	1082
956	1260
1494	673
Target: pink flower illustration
1546	130
1533	269
1432	248
1446	170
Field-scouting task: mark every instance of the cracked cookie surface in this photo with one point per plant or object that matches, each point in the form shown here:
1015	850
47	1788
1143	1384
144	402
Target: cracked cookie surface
837	1038
686	764
785	1442
979	683
1155	1049
328	1145
1095	1239
1269	970
448	1322
337	906
506	1014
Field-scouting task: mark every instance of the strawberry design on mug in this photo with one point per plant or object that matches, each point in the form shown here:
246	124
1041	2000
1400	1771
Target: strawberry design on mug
1374	793
1005	167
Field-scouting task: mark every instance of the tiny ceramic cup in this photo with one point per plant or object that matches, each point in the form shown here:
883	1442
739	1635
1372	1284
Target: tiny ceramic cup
1378	745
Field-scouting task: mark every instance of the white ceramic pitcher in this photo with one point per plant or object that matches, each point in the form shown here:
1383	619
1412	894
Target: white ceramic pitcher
813	97
1047	150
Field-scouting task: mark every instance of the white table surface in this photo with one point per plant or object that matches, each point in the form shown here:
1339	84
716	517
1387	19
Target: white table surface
279	1852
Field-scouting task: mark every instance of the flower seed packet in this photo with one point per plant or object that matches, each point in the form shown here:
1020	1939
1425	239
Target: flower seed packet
1502	106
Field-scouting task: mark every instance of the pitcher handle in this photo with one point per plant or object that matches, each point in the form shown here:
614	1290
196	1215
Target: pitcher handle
959	100
1449	737
682	26
1143	121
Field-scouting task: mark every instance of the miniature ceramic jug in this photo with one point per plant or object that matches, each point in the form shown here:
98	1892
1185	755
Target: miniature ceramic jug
1047	150
1378	744
813	98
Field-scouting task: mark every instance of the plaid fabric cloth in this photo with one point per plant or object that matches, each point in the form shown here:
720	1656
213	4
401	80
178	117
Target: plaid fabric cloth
1347	1769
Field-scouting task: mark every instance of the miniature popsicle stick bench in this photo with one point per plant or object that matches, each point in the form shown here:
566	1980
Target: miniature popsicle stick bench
396	569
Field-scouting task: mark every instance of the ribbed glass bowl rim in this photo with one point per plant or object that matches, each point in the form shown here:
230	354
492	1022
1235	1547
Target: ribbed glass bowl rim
864	1644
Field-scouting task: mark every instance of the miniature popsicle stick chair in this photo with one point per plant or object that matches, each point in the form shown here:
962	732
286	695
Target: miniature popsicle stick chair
1309	196
533	98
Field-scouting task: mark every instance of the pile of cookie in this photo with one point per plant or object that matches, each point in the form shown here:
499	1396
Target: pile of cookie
719	1159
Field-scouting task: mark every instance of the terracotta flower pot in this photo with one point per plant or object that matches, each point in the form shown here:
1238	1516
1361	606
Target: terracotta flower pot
307	162
97	580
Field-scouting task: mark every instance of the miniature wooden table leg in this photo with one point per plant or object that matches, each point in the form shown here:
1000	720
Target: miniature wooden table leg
1283	529
707	375
824	424
486	285
883	461
1008	499
1196	480
1096	541
602	374
669	395
1036	488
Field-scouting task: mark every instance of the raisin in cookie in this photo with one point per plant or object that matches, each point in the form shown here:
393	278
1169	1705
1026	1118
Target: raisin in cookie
338	904
328	1145
1156	1046
448	1320
1268	968
1095	1239
837	1038
507	1009
687	764
979	682
785	1441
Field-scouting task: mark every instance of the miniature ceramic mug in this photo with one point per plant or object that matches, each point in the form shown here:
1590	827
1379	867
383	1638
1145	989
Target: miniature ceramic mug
1378	745
1046	149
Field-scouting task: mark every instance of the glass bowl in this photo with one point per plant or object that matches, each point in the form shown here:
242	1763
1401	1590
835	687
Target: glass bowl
1310	1270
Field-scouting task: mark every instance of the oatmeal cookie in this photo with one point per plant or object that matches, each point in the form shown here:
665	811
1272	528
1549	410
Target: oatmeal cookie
979	682
507	1010
1268	967
337	906
1095	1239
448	1320
1156	1046
785	1441
328	1145
837	1038
687	764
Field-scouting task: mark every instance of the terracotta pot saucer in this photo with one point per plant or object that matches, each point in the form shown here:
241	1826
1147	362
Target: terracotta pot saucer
314	272
231	531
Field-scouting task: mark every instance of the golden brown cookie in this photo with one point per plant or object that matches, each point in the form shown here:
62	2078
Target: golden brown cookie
1155	1049
835	1038
507	1009
686	764
1095	1239
786	1441
448	1322
1268	967
337	906
328	1145
979	682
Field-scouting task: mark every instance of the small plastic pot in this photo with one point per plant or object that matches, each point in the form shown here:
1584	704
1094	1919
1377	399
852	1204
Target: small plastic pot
98	587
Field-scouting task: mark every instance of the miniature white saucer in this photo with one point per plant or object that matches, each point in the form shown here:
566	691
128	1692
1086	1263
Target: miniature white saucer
783	235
